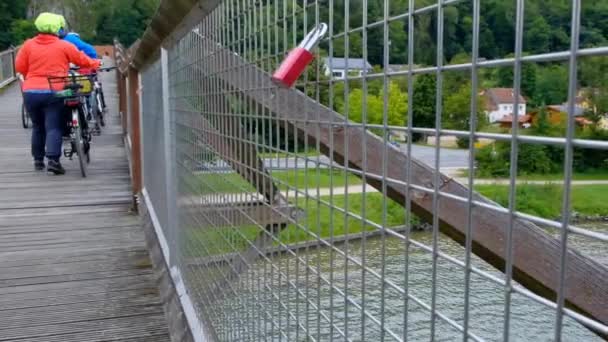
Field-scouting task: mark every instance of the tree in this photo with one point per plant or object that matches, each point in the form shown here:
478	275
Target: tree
552	84
593	72
537	36
22	30
457	112
423	106
126	21
542	126
504	78
10	10
396	106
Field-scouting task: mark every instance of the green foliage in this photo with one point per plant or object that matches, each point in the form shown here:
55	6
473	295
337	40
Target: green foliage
126	21
546	200
593	71
494	160
552	84
539	200
396	106
590	159
457	109
22	30
504	78
542	126
10	11
424	103
324	221
97	21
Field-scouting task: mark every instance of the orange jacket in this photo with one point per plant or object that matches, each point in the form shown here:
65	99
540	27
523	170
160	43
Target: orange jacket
46	55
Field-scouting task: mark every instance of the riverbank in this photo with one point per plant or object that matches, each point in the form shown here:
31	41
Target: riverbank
537	197
545	200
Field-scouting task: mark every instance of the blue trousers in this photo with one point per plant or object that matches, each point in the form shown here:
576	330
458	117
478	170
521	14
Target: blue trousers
47	113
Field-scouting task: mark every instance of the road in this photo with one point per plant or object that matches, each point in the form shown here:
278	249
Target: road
451	159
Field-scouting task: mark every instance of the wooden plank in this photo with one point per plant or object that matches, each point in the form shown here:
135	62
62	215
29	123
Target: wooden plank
73	259
108	285
112	328
536	254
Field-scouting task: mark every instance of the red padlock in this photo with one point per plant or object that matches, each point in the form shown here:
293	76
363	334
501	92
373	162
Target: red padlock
293	66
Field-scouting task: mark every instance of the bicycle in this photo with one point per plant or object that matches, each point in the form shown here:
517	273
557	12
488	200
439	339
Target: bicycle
75	92
98	99
25	115
96	106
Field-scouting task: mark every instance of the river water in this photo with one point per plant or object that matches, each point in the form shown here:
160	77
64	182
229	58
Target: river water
272	308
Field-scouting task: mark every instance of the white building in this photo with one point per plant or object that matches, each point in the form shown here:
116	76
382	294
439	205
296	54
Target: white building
339	65
499	103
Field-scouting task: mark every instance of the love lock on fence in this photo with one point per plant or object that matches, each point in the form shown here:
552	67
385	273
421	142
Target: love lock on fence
293	66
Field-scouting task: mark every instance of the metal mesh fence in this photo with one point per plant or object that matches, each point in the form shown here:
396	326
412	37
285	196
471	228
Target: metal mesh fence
153	142
315	213
7	71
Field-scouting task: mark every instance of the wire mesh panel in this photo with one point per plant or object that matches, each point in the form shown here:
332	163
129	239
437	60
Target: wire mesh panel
421	181
156	137
7	71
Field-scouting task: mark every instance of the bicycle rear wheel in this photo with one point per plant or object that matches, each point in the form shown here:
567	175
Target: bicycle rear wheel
79	144
25	117
99	102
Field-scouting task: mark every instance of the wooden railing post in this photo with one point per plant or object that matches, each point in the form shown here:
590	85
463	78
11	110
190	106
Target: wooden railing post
122	101
134	133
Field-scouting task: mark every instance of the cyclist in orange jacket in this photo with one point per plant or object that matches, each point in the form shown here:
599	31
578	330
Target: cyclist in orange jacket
44	56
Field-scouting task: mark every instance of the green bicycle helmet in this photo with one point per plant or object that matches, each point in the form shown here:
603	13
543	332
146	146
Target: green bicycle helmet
50	23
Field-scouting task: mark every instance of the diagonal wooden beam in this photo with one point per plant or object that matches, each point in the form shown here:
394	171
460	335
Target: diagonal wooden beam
536	254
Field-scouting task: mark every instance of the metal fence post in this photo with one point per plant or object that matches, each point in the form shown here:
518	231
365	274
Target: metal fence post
169	139
134	133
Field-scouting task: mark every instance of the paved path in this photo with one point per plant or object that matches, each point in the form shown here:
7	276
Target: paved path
73	262
451	159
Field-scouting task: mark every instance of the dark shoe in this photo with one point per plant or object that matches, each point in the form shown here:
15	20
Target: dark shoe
39	165
55	167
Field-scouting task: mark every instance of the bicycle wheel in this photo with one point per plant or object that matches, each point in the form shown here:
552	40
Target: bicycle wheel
93	110
99	102
103	99
79	144
25	116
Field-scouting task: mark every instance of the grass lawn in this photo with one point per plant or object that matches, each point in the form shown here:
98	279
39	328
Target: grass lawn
325	221
546	200
589	175
234	183
319	219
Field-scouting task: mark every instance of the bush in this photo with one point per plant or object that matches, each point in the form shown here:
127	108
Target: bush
494	160
534	159
462	142
491	161
590	159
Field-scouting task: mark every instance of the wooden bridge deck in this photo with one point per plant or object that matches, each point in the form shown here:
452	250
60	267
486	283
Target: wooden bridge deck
73	261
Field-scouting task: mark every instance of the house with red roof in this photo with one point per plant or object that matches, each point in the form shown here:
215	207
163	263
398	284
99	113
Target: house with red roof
500	102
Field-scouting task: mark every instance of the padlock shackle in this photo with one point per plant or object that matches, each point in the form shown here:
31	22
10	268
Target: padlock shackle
314	37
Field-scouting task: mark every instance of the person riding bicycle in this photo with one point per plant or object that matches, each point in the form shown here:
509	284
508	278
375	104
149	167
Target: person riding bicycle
46	55
81	45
